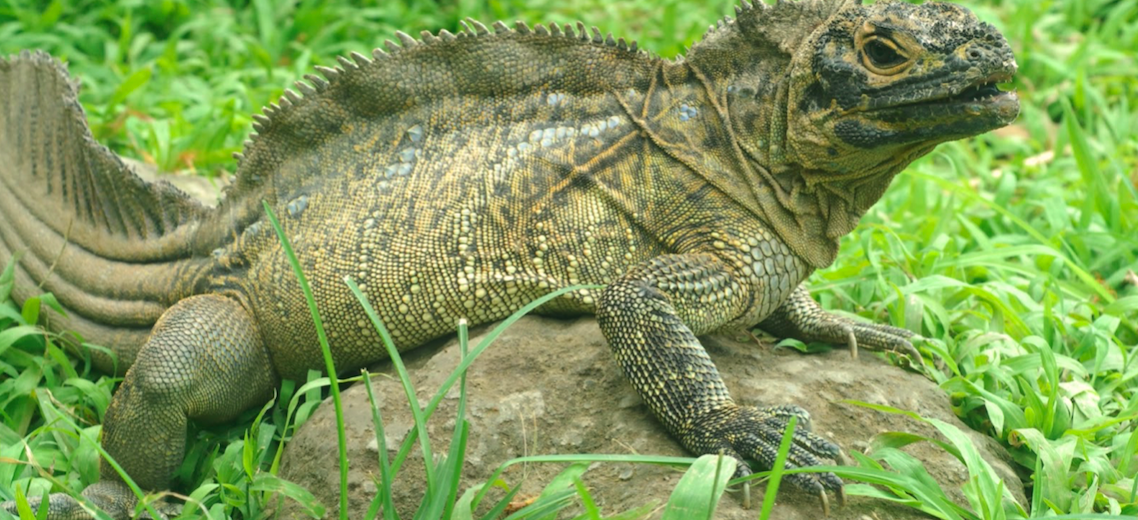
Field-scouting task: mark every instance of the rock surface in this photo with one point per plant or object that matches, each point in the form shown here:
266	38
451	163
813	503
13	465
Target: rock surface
205	190
550	386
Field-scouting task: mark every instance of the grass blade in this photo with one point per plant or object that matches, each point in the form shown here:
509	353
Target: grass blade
329	365
699	490
408	389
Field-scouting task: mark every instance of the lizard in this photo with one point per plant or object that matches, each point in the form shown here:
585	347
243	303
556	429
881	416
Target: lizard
462	175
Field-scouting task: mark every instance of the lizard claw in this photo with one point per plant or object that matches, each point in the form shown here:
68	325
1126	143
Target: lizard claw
840	493
876	336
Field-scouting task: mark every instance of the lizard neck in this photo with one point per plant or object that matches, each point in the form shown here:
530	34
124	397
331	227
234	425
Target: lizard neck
804	199
805	213
810	199
751	78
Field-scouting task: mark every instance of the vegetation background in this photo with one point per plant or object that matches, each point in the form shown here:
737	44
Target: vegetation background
1015	252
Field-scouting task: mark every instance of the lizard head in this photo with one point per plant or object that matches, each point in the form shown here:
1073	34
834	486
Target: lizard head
885	83
830	99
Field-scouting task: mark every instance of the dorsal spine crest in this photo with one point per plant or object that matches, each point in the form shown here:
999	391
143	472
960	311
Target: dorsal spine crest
314	85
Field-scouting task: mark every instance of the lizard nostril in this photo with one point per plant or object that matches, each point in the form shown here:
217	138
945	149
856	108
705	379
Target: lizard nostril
974	54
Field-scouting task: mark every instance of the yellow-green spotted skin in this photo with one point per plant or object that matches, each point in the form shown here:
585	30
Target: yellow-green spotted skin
463	176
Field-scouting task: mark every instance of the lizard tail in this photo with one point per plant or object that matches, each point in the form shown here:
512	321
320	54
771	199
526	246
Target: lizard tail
83	226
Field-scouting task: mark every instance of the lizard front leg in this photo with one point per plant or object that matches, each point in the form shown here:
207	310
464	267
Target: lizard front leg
651	317
204	360
801	318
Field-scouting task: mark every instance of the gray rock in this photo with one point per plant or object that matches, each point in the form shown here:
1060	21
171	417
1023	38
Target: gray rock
550	386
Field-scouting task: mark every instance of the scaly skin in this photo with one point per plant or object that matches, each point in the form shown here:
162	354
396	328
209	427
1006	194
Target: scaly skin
462	177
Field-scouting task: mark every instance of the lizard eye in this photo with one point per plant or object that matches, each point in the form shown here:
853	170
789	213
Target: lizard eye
881	55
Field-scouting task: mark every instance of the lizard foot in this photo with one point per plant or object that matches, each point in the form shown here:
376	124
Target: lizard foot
874	336
112	497
801	318
746	432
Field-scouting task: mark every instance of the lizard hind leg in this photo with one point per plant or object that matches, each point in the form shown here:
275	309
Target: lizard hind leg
204	360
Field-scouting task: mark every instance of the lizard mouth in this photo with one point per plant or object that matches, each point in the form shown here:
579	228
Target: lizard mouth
954	111
984	94
979	92
982	98
979	97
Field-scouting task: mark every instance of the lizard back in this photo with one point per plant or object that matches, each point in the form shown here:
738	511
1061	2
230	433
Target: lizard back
463	177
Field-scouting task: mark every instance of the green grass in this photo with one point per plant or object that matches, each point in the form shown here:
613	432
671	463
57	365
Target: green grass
1014	252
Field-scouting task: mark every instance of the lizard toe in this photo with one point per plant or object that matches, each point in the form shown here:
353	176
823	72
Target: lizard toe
875	336
803	319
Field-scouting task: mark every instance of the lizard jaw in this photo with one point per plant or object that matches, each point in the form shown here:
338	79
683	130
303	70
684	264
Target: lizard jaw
983	96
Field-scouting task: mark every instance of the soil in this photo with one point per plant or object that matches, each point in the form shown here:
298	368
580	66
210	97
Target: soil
549	386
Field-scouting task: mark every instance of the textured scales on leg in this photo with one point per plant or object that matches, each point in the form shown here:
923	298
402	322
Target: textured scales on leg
801	318
463	176
204	361
651	318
